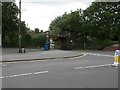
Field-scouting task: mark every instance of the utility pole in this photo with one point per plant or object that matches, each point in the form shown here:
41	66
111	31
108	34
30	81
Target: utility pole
20	27
0	24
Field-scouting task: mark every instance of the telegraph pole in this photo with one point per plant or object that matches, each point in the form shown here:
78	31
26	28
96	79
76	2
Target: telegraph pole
20	27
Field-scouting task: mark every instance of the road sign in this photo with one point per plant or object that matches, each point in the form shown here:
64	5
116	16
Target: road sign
117	57
116	53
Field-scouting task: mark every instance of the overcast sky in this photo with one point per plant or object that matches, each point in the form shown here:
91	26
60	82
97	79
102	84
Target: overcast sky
39	13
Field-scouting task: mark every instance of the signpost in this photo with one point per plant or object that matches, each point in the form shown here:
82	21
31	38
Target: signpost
117	58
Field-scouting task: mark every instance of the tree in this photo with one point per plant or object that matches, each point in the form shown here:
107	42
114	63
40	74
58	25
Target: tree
100	22
105	16
40	40
36	30
106	21
27	41
9	24
68	25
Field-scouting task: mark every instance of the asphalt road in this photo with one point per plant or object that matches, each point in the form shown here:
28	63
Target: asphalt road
88	71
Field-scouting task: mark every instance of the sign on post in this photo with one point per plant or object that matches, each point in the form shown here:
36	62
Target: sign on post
117	57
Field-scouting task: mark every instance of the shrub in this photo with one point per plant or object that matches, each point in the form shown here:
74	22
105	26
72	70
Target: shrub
104	43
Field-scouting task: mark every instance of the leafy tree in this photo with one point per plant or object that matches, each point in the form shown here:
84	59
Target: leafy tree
24	28
9	24
100	22
106	21
27	41
36	30
105	16
40	40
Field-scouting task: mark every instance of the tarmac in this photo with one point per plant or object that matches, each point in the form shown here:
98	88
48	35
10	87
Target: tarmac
12	55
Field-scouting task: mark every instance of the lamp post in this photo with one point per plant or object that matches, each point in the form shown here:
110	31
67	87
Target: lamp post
20	27
0	23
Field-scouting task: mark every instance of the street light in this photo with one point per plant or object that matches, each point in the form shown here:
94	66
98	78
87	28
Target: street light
20	27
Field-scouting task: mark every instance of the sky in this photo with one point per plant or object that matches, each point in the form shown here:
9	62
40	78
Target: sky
40	13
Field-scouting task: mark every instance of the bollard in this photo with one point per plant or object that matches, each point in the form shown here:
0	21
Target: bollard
23	50
117	58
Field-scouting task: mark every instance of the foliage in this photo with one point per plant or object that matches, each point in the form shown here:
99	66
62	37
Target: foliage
95	27
38	39
36	30
98	24
27	41
102	44
105	17
10	29
9	24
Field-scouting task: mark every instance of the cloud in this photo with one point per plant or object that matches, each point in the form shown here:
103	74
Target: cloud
7	0
53	2
39	13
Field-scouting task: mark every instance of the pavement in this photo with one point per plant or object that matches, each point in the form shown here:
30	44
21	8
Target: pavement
12	55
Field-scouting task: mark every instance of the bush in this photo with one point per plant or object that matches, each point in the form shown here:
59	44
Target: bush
102	44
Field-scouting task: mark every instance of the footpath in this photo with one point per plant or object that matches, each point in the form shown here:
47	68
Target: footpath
12	55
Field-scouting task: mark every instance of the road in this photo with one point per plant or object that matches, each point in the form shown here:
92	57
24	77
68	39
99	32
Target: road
88	71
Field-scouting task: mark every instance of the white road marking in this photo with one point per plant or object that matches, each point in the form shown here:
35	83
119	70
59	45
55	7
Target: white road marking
93	66
3	65
40	72
99	55
21	75
2	77
12	76
25	74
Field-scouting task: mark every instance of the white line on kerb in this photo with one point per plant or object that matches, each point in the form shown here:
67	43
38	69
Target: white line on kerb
79	56
25	74
93	66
